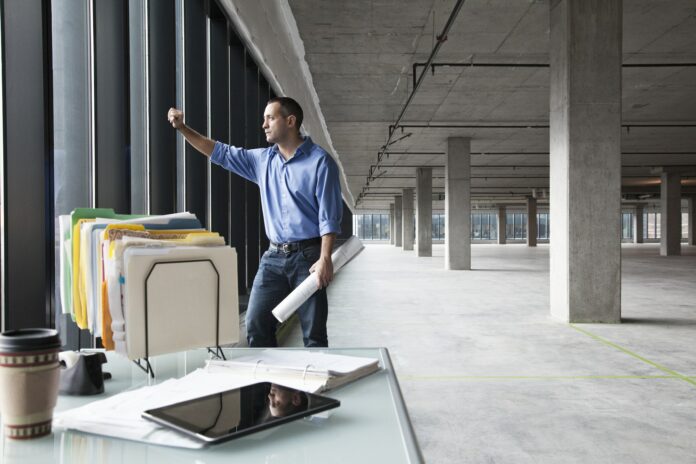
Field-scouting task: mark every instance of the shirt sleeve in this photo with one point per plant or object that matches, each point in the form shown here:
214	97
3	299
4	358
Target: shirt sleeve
328	194
238	160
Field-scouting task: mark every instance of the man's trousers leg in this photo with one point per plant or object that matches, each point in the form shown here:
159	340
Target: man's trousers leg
270	288
314	312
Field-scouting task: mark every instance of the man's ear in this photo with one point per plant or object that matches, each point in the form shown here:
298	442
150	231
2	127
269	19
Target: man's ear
292	120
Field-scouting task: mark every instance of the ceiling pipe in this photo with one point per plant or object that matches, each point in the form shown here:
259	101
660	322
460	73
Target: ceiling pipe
440	40
520	153
524	166
526	126
432	66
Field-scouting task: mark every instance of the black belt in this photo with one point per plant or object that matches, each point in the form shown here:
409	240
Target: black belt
289	247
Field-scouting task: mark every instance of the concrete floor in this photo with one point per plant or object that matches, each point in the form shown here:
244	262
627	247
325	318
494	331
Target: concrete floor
488	376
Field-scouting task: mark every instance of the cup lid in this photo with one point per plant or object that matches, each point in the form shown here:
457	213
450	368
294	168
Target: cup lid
29	340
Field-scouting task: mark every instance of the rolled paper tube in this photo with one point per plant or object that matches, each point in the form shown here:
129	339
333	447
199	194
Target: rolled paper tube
309	286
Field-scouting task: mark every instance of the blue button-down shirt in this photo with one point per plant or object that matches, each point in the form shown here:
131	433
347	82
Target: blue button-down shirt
301	197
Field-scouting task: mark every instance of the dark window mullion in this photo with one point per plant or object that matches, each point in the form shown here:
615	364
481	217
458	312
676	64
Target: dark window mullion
195	104
218	79
28	220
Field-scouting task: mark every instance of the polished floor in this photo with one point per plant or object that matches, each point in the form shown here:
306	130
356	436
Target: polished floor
489	377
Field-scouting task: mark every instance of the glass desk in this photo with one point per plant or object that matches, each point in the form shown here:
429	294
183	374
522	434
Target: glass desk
370	426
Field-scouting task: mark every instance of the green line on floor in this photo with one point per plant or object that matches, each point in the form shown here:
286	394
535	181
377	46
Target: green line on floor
635	355
532	377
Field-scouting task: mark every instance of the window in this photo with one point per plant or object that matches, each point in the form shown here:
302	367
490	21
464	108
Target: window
476	226
626	225
651	225
371	226
438	227
517	226
543	226
484	226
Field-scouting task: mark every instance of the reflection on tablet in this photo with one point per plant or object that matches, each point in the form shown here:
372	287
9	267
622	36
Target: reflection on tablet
238	412
283	401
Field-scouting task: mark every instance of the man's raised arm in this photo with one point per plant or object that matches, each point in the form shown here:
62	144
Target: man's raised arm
197	141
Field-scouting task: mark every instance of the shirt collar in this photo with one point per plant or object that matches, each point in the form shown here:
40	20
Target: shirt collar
304	148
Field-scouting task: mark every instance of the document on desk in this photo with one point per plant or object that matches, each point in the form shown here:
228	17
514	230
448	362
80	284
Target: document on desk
120	415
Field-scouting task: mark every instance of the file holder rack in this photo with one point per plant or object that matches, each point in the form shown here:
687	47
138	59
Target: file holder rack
144	363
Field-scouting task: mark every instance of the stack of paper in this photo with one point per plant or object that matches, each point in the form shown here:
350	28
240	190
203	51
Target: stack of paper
182	295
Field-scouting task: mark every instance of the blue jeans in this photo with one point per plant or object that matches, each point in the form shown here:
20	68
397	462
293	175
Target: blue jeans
279	273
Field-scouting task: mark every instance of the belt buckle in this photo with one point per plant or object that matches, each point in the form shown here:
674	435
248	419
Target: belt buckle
286	248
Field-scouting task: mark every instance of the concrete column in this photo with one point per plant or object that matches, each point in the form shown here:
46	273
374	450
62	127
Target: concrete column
407	232
502	225
458	204
670	214
531	222
585	160
398	220
424	211
692	221
391	223
638	224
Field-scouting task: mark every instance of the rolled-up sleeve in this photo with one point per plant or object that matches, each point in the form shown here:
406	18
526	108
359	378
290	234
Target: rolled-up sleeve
328	194
238	160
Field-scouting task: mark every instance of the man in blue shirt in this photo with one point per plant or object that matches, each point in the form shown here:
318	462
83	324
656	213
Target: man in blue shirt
302	209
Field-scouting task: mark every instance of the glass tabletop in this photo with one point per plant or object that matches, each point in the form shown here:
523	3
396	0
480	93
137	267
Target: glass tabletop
371	425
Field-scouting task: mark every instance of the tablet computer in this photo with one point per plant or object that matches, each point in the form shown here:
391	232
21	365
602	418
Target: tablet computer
235	413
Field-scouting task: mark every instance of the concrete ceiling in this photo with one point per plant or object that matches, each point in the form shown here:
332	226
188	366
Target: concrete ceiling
361	54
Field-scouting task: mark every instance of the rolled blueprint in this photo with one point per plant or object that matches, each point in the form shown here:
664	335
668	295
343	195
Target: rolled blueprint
309	286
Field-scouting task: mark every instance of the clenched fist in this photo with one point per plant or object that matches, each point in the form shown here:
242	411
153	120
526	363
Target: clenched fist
175	118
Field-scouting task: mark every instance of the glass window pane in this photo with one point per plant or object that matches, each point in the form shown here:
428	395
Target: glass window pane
476	223
524	225
493	218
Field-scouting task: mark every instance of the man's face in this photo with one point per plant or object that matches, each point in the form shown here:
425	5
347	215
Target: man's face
276	126
281	401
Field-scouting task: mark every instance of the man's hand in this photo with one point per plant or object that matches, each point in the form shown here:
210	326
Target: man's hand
323	270
175	118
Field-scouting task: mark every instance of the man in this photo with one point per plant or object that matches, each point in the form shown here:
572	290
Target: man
284	401
302	209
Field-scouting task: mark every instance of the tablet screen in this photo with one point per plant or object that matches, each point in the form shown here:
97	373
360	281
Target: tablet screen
238	412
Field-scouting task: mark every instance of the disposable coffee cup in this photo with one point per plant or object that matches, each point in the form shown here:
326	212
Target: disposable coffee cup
29	375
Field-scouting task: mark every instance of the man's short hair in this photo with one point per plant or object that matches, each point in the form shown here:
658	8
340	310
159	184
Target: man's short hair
289	106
